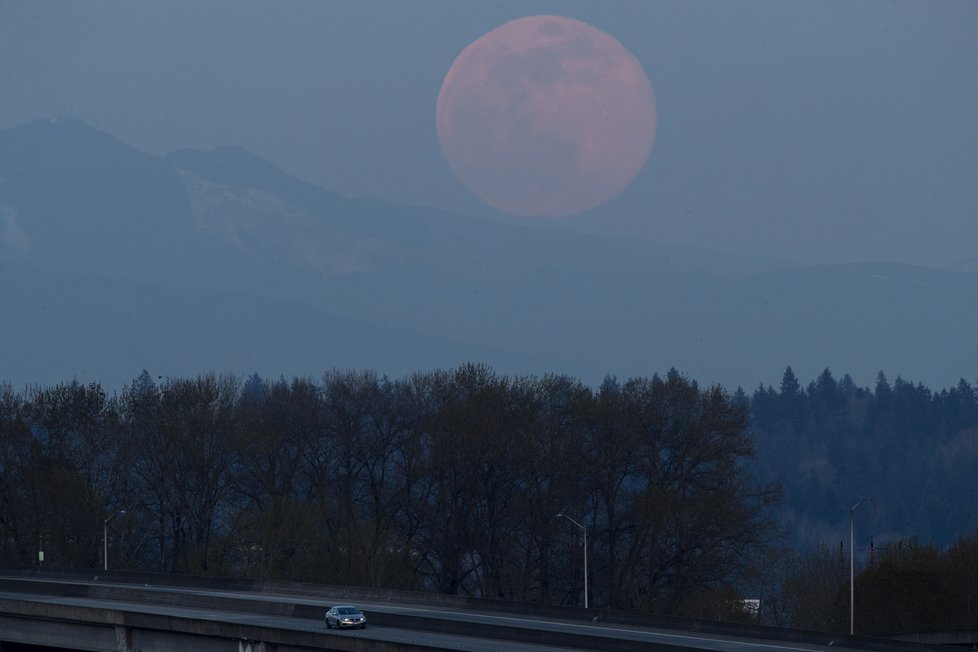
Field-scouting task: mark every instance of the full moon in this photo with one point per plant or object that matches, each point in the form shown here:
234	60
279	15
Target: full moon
546	116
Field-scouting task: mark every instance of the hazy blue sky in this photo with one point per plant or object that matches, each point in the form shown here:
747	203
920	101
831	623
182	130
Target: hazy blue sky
816	130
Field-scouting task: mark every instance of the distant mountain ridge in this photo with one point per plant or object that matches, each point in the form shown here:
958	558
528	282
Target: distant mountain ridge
112	260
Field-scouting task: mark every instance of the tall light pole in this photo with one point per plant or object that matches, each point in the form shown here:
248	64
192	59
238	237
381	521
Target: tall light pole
105	538
584	530
852	568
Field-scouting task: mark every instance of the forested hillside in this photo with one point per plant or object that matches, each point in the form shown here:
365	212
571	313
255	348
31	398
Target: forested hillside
911	449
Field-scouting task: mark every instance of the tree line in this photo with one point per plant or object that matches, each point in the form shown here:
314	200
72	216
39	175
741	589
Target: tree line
447	481
913	450
451	481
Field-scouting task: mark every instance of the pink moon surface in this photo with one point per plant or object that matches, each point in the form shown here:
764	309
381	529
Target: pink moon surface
546	116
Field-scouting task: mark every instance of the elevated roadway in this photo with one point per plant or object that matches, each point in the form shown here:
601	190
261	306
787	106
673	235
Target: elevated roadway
134	612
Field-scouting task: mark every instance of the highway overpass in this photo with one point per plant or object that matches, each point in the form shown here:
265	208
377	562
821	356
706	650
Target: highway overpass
123	612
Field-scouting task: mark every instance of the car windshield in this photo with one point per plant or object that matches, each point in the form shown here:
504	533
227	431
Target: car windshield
347	611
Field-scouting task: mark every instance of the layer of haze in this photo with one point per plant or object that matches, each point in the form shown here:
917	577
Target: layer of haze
816	131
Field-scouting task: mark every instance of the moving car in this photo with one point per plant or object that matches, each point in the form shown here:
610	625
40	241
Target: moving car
345	616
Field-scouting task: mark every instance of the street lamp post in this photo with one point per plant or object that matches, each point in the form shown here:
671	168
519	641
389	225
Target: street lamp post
852	568
105	538
584	530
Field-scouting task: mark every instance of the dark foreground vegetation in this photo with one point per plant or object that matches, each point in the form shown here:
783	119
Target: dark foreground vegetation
905	587
448	481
